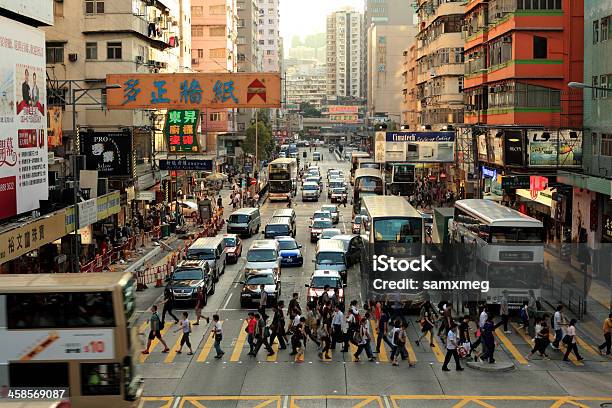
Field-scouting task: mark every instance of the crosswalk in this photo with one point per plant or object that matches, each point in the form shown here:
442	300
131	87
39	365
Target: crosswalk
513	347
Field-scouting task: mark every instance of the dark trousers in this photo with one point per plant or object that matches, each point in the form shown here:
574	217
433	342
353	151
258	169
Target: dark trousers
348	338
607	344
262	312
558	337
540	346
504	322
251	341
168	309
451	353
312	336
379	340
488	352
572	347
185	340
368	349
401	350
279	336
262	341
336	336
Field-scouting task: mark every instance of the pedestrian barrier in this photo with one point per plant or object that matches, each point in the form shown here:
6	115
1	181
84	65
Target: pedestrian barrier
104	261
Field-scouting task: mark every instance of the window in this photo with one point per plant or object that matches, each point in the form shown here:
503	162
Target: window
606	144
605	28
59	310
94	6
215	117
216	31
197	31
216	10
270	42
603	82
55	53
217	53
91	51
595	31
594	149
58	9
113	50
100	379
197	11
460	84
261	42
595	83
271	31
540	45
197	53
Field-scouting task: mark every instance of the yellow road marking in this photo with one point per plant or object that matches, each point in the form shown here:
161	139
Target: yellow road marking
510	347
529	341
382	356
266	400
168	400
143	357
411	355
274	356
239	343
172	354
365	399
353	350
436	350
208	344
464	402
586	346
571	357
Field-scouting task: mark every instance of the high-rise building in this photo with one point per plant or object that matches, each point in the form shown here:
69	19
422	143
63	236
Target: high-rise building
306	82
386	45
409	89
440	62
344	53
269	35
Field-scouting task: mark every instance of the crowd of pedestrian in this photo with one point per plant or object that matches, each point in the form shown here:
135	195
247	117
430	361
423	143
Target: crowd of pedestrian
429	194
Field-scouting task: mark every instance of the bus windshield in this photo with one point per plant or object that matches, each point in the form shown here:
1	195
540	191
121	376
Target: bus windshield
369	166
321	281
279	172
403	173
370	184
280	186
400	230
505	235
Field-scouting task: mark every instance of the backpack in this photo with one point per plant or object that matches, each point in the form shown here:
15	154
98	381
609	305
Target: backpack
357	336
523	314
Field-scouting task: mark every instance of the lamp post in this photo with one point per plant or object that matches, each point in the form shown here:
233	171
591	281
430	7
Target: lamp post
75	169
582	85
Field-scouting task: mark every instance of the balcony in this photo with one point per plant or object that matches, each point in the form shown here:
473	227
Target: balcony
526	68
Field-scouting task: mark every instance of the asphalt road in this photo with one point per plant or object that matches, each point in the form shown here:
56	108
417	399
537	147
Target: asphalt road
173	380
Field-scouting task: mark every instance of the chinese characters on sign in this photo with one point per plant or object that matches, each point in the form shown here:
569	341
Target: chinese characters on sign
21	240
181	131
194	91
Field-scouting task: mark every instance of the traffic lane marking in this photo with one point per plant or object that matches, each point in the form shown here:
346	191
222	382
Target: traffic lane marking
143	357
240	341
266	400
208	344
510	347
365	400
168	401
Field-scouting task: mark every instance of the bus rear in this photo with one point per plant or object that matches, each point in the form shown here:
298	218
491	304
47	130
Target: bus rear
400	178
367	182
74	332
282	174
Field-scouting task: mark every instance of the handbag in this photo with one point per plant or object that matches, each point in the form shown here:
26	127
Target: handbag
218	337
266	332
426	326
567	339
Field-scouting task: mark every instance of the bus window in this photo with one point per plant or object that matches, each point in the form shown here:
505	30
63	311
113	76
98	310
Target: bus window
281	186
129	301
60	310
502	235
398	230
403	173
39	375
100	379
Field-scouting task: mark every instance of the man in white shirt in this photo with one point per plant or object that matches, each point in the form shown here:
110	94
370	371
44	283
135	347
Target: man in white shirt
337	320
558	321
451	349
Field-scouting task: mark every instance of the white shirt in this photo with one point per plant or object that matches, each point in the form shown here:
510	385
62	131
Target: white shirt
186	326
217	328
393	331
296	320
483	319
337	319
365	334
451	339
571	331
558	320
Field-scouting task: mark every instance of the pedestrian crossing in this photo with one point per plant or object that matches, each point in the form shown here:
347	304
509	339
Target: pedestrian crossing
513	347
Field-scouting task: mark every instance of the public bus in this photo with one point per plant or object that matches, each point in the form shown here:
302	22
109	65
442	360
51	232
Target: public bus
368	163
71	331
400	178
367	182
355	156
282	175
500	245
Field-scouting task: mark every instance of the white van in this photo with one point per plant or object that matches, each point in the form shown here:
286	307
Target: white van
212	250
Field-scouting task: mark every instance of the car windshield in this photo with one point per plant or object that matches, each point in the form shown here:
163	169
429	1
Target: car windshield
310	187
287	244
188	274
239	218
321	281
332	258
335	184
261	255
322	224
230	242
201	254
277	228
260	280
322	214
330	233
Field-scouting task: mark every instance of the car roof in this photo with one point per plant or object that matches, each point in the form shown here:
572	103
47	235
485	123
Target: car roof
321	219
279	221
263	243
191	264
329	205
284	238
331	229
344	237
284	212
230	235
261	272
329	245
325	272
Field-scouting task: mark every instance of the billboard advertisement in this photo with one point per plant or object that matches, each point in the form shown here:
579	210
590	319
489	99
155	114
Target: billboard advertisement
181	131
513	148
23	119
194	91
334	109
344	118
110	153
424	147
39	10
54	126
552	149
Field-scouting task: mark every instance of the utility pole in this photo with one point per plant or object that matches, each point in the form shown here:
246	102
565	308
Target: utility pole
256	165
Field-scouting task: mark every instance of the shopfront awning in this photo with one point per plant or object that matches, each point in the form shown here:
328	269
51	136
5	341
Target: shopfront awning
543	197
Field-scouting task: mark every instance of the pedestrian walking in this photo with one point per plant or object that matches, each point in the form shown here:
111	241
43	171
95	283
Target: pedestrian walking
465	348
261	336
484	316
310	328
570	341
263	302
337	322
447	319
250	330
155	331
383	330
168	303
217	331
541	340
199	306
363	339
427	319
324	336
451	349
524	314
294	306
277	327
607	333
352	327
504	311
489	340
298	341
532	311
558	321
185	326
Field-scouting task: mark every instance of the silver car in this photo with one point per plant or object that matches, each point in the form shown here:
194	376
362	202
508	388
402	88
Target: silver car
333	210
263	254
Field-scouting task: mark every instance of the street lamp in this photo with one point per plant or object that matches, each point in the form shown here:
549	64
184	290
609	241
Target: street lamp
75	188
582	85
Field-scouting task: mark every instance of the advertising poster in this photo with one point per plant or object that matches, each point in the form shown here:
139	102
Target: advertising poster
552	149
482	148
54	128
425	147
23	120
110	153
513	148
181	131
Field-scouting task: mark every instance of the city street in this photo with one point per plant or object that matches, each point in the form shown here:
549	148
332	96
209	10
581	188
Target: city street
201	380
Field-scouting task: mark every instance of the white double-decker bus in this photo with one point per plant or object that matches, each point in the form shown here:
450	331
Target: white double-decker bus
282	174
500	245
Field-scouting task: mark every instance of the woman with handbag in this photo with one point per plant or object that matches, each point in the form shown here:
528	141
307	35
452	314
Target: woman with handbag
324	335
570	341
541	339
427	323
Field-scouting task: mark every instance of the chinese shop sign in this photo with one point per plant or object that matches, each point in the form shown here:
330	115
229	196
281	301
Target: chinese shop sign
181	131
194	91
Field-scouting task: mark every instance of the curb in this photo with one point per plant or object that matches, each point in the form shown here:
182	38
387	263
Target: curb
136	265
491	368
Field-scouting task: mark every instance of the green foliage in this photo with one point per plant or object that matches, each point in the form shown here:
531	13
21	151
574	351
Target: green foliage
265	145
309	111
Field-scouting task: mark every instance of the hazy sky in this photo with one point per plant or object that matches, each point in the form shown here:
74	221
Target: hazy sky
302	17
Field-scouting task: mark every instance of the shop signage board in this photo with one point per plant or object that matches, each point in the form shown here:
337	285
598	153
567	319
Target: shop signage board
23	118
380	147
194	90
185	164
57	344
102	208
343	109
54	130
555	148
21	240
488	172
88	212
514	182
607	227
513	148
425	147
110	153
114	203
181	131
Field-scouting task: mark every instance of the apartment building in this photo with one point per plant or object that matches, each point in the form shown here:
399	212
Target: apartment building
409	115
344	53
269	35
440	62
306	82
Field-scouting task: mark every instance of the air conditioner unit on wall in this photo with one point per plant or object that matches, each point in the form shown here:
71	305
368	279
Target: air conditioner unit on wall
73	57
139	59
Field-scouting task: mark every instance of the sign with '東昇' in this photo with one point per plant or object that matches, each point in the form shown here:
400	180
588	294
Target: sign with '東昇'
181	131
194	91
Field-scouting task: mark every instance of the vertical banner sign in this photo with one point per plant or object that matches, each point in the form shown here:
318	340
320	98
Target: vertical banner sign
181	127
54	128
23	120
380	147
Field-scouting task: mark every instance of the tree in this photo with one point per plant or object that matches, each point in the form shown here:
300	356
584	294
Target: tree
309	111
265	145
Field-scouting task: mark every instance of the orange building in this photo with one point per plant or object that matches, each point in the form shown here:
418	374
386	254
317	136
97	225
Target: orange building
519	57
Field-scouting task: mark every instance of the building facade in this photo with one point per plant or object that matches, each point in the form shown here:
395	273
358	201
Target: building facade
344	54
409	89
386	45
306	83
440	63
269	35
